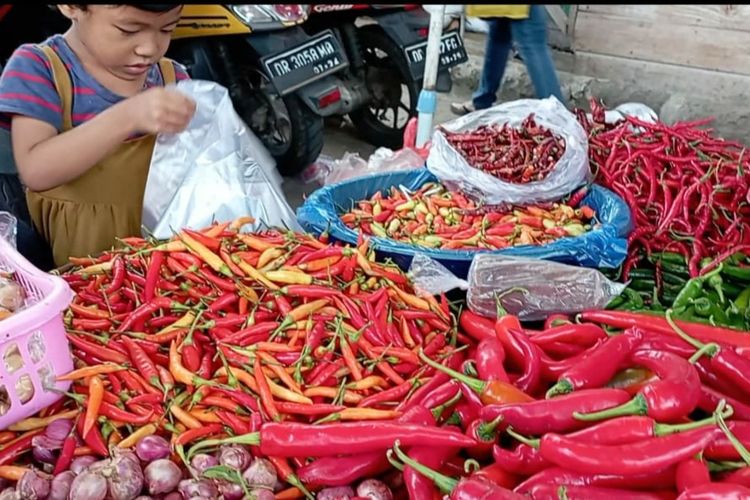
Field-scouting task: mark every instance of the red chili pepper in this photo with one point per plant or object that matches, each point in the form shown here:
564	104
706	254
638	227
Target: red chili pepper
585	334
476	326
599	366
672	397
649	322
142	362
554	415
118	275
655	479
532	372
11	451
490	358
191	435
147	309
629	459
690	473
712	491
347	469
100	352
93	439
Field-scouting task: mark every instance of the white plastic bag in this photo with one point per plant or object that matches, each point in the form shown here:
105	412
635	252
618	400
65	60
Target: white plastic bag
571	170
549	287
8	228
215	170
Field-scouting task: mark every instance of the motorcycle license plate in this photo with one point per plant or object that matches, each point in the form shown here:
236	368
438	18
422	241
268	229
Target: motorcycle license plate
452	53
305	63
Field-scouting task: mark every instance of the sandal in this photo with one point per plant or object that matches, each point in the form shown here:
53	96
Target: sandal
462	108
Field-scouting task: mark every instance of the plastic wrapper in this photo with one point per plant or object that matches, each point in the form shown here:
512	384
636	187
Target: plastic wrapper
215	170
571	170
351	165
604	247
533	289
8	228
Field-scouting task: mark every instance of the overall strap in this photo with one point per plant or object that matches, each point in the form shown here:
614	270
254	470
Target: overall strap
63	85
166	66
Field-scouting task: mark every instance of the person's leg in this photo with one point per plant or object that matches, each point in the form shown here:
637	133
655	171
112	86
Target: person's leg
495	59
531	37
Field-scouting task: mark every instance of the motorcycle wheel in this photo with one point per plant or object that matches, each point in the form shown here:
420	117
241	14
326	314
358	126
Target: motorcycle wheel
381	122
292	133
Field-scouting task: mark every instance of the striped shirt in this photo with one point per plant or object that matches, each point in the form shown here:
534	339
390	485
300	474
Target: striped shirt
27	88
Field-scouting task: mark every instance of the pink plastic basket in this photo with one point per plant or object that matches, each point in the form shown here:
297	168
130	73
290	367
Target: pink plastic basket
37	334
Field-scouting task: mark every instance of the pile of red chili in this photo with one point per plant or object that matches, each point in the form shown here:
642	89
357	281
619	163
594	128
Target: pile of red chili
688	190
518	155
434	217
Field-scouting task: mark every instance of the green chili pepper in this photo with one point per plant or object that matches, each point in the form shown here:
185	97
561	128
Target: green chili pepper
642	285
693	288
616	302
743	300
633	298
671	257
673	279
703	306
739	273
641	273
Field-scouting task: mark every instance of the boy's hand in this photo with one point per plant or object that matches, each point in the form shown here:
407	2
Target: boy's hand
159	110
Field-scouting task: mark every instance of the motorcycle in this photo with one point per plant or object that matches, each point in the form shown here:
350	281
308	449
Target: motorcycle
280	78
386	48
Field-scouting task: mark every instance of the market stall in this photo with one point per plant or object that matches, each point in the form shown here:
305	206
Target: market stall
599	347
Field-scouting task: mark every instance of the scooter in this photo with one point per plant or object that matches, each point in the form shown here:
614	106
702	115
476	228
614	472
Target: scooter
386	48
280	78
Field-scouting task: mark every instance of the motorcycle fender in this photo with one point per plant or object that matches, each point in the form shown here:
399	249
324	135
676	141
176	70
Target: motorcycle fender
403	27
273	42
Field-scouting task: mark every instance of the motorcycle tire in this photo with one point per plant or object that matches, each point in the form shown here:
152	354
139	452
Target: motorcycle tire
306	141
306	128
368	126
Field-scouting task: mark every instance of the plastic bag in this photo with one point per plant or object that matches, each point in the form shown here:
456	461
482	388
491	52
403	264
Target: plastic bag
351	165
533	289
604	247
431	277
215	170
571	170
8	228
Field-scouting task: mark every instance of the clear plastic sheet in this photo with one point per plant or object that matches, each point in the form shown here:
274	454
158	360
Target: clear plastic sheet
571	170
215	170
431	277
604	247
533	289
8	227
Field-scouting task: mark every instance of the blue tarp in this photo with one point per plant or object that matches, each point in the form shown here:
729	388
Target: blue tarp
604	247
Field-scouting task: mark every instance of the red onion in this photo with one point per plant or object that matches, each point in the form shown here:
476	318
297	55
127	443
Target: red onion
260	474
79	464
60	487
124	476
152	448
230	491
235	457
59	429
192	488
162	476
173	496
262	494
146	497
43	450
89	485
335	493
34	485
374	490
202	461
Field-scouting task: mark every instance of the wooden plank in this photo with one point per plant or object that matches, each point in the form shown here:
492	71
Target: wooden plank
700	47
558	16
656	77
725	17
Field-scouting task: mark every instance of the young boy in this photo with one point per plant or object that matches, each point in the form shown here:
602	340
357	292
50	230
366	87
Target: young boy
83	110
